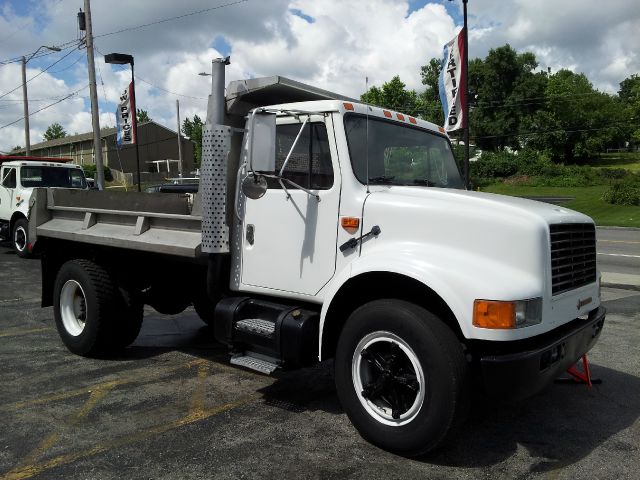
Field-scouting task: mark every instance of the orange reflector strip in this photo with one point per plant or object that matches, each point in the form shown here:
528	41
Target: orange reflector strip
493	314
350	222
400	116
441	129
412	120
348	106
387	113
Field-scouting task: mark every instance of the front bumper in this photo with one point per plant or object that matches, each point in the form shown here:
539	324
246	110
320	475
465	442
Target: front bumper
524	371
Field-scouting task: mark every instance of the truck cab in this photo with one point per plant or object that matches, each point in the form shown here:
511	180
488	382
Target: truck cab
18	177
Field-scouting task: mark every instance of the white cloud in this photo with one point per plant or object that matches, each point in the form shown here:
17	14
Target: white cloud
344	43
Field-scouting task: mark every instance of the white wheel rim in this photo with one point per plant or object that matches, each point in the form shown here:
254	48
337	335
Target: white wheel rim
365	375
73	308
20	238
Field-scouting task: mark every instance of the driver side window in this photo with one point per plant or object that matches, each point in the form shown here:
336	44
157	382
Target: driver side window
9	178
309	164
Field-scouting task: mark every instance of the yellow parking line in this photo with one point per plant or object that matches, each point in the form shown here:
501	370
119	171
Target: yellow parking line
28	471
51	439
15	333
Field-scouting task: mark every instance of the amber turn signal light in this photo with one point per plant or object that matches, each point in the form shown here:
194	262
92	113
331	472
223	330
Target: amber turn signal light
350	223
494	314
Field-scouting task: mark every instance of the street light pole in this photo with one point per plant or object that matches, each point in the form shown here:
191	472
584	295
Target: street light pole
465	105
135	124
122	59
25	97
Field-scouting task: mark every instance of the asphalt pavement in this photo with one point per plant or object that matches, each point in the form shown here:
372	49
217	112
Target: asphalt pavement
171	407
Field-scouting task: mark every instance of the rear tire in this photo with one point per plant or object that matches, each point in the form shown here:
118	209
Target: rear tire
20	238
401	376
129	321
85	300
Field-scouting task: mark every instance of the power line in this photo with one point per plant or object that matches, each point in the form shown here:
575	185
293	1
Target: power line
559	130
37	74
44	53
169	91
45	107
157	22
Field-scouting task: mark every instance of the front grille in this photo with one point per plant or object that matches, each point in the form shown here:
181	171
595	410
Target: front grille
573	256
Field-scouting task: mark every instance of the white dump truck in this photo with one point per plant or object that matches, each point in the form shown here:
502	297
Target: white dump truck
328	229
18	177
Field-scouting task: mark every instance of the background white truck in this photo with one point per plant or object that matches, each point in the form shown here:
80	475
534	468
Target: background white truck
324	228
18	177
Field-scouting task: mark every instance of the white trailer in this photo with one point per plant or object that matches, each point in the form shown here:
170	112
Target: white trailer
325	228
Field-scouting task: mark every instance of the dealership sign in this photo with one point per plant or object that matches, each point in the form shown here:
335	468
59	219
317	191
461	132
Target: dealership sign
126	117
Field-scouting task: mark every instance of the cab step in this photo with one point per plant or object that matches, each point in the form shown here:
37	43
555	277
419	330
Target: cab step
286	335
254	363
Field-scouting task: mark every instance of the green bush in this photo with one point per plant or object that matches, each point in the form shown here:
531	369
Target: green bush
623	193
494	165
90	171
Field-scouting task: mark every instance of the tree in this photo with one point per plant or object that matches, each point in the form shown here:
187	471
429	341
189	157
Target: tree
395	96
629	99
576	121
53	131
430	98
193	130
142	116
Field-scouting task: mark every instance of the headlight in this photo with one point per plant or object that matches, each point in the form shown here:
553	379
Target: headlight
501	315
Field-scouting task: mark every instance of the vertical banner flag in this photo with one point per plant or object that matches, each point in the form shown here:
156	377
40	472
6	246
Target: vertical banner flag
125	117
451	83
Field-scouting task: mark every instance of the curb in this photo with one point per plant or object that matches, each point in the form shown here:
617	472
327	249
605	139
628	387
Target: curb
604	227
621	286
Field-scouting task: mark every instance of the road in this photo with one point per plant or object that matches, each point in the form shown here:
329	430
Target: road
619	255
171	407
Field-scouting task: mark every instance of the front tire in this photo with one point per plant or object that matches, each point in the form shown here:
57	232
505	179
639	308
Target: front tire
400	376
20	238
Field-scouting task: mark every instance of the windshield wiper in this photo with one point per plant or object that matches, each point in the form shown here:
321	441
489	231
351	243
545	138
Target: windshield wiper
424	181
381	179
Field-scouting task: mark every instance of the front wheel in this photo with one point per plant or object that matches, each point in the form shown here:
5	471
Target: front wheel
20	238
400	376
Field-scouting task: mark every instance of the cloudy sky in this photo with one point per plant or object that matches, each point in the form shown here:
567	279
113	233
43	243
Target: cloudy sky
333	44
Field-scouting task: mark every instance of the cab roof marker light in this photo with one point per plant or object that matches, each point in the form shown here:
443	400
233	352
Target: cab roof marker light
441	129
387	113
412	120
348	106
400	116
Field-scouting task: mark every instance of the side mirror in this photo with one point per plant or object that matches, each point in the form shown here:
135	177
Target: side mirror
262	142
254	186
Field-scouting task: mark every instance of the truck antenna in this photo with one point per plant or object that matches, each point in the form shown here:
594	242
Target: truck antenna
366	84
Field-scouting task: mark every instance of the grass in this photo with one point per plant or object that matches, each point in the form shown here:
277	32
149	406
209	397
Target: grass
626	160
587	200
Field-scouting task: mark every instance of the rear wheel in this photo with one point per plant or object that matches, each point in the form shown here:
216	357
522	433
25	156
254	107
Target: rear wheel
84	300
400	376
20	238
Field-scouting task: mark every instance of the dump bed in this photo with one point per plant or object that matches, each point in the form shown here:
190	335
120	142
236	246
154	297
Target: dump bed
149	222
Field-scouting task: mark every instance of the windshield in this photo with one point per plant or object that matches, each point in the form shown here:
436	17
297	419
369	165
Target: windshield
400	155
32	176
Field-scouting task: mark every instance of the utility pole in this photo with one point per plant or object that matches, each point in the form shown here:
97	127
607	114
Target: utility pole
93	92
27	136
179	140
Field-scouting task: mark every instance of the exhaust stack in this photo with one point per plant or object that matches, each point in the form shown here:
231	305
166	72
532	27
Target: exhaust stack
216	104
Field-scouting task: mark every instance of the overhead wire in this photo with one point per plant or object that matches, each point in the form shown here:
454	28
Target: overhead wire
37	74
45	107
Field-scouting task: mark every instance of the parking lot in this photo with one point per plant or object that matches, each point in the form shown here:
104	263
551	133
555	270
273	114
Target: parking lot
171	407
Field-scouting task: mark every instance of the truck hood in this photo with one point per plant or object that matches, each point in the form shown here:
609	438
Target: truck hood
481	203
471	233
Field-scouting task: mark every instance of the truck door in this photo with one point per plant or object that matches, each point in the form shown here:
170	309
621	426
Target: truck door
289	240
7	185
